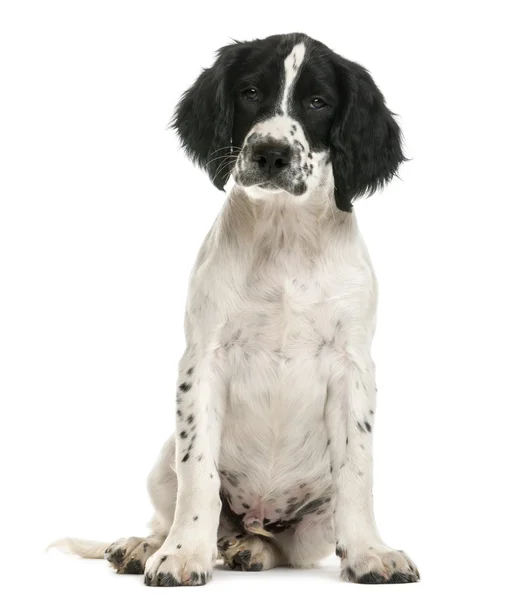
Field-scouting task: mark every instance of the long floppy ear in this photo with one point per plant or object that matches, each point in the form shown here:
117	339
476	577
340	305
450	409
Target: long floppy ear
366	145
204	118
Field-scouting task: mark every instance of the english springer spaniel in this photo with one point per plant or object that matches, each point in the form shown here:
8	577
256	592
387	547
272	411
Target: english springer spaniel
271	462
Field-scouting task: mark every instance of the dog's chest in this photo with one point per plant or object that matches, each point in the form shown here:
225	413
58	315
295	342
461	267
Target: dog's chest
279	348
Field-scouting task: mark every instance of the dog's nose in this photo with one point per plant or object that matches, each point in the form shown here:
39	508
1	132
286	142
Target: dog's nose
271	158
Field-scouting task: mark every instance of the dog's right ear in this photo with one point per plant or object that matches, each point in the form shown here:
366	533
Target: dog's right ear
204	118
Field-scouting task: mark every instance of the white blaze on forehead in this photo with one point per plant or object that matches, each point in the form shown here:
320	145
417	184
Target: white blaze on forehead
291	66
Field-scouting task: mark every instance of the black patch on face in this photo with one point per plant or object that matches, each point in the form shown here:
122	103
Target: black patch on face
353	122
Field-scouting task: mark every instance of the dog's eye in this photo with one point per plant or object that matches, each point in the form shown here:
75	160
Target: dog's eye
317	103
251	94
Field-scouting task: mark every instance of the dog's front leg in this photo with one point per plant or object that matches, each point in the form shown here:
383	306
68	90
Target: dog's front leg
188	554
350	412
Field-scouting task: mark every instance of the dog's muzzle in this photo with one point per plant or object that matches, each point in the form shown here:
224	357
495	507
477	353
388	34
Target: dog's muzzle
268	163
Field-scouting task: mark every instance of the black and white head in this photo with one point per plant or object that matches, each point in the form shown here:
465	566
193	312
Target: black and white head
287	114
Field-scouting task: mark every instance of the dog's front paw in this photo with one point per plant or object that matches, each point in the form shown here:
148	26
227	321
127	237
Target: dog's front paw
171	568
377	564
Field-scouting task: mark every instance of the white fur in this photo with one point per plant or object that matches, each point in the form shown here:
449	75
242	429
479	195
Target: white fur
291	65
276	375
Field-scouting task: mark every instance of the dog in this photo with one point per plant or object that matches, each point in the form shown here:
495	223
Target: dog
271	462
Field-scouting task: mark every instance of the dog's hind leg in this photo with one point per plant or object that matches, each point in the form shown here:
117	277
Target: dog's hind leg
307	544
129	555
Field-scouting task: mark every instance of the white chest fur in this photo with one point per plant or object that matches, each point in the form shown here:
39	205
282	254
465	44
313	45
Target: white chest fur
272	303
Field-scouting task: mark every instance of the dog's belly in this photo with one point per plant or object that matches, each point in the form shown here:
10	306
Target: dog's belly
274	458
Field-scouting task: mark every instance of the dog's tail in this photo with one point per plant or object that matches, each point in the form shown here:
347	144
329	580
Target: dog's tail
83	548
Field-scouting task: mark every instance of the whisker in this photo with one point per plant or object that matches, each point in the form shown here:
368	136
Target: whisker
225	147
220	157
226	162
226	167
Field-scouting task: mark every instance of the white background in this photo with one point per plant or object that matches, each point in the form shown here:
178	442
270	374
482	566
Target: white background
101	218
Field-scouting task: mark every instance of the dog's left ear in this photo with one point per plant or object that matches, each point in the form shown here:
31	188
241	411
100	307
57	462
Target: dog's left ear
204	118
366	145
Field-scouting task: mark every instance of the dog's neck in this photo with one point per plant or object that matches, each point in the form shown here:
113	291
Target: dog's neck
280	221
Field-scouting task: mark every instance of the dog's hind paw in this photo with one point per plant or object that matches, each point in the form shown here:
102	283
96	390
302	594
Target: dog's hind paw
129	555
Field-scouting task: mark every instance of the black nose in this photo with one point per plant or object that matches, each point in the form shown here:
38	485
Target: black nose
271	158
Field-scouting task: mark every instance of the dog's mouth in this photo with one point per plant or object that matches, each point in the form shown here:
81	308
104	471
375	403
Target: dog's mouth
269	185
278	183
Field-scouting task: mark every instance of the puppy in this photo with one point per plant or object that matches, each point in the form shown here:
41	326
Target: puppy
271	462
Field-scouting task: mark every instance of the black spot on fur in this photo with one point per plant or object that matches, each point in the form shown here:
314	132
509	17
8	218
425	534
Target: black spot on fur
368	426
244	555
400	577
185	457
179	546
134	567
195	518
190	419
360	427
185	386
371	578
200	457
190	371
309	508
341	552
183	435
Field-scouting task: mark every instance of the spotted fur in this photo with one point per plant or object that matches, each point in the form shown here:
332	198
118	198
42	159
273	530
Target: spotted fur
276	388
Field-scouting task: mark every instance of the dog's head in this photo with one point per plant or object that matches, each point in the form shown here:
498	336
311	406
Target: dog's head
287	113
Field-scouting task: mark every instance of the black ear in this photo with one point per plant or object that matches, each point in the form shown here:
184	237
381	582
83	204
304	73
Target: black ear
366	145
204	118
